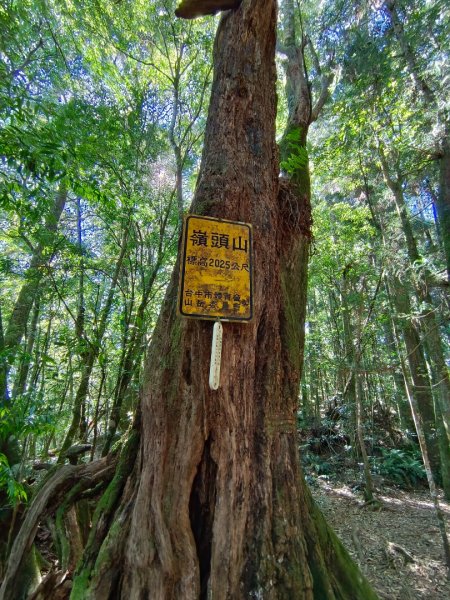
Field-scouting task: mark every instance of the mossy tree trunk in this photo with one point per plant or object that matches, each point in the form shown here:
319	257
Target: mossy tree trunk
215	505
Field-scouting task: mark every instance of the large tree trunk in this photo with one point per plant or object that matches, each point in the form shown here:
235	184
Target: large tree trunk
216	506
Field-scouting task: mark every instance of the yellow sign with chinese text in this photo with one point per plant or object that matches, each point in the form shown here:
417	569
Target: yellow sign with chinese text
216	270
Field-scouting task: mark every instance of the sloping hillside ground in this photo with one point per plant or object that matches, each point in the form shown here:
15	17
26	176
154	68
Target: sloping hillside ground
397	546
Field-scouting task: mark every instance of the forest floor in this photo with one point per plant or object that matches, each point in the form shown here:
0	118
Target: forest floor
397	546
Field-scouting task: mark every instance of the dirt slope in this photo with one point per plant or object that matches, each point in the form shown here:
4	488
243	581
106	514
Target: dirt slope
398	546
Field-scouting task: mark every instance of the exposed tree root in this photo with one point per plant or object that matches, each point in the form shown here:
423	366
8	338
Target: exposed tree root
49	497
393	551
373	504
55	585
102	543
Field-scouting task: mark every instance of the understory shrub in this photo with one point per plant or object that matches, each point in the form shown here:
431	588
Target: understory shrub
402	467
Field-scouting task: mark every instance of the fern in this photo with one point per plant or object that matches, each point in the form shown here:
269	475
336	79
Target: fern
15	491
399	466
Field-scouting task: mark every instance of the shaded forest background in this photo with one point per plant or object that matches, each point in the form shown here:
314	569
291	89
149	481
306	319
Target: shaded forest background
102	113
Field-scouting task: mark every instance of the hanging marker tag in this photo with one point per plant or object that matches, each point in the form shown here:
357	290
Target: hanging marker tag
216	355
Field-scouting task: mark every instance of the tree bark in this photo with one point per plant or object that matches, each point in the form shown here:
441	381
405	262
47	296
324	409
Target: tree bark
399	379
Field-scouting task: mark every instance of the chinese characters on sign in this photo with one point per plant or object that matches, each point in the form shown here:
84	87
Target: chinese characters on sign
216	273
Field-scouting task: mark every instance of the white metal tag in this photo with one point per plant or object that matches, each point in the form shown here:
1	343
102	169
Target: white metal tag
216	355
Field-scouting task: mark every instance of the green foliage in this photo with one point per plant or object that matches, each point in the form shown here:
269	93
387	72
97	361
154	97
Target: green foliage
404	468
98	97
19	421
317	464
15	490
26	416
378	110
294	153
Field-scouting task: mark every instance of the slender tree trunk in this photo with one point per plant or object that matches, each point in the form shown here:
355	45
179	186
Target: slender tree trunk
349	390
19	317
339	352
432	423
401	396
443	198
313	370
131	358
428	317
173	142
21	379
369	492
422	391
415	411
96	413
91	355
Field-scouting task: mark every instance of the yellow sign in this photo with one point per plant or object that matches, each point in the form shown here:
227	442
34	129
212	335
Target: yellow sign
216	270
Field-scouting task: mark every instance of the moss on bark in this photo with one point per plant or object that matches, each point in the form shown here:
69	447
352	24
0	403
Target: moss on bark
96	553
336	576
